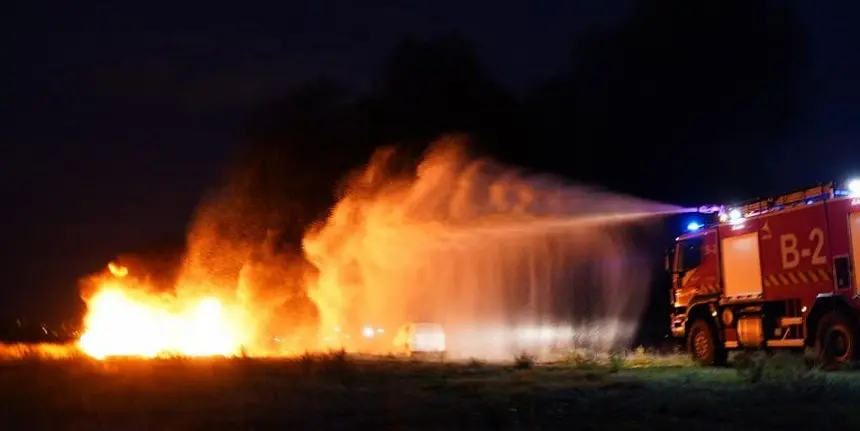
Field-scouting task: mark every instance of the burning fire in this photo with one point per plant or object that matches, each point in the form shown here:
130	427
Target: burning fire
464	243
117	270
122	321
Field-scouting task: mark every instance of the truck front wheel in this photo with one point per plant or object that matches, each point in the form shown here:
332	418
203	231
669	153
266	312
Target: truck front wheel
703	344
835	343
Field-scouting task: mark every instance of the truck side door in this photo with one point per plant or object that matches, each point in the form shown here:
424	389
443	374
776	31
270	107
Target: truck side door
696	268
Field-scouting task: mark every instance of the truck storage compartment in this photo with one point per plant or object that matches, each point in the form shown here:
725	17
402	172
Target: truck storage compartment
741	266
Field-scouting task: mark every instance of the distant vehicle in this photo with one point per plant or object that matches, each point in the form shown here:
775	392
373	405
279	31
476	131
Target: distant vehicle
421	340
777	273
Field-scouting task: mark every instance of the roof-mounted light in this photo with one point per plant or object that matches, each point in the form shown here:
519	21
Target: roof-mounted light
694	226
854	188
735	215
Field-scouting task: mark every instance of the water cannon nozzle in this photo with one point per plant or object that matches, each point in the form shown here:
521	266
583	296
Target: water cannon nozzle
710	209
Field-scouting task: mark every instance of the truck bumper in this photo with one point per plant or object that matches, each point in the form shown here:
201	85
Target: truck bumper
679	325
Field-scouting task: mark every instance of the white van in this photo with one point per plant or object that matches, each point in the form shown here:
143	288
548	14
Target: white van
421	339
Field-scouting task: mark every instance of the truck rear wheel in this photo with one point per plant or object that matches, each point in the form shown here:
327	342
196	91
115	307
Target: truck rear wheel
703	344
835	343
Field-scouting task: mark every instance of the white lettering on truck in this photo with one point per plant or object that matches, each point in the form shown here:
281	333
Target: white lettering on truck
791	255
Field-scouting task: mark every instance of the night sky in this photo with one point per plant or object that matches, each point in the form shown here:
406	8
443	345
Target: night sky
121	115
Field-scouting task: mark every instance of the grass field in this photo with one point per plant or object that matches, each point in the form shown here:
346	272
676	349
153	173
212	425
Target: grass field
335	391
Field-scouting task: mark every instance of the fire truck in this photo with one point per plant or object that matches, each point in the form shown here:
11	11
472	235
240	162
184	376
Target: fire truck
775	273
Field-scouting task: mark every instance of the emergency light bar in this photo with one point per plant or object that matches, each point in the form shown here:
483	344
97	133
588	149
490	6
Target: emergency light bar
735	214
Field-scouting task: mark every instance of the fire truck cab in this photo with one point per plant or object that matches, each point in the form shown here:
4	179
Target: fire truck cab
775	273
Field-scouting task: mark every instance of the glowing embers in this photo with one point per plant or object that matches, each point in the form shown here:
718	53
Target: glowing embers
117	270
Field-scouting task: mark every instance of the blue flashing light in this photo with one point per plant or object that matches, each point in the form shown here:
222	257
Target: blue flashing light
694	226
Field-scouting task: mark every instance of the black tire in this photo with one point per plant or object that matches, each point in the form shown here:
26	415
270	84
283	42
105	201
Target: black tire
836	340
703	345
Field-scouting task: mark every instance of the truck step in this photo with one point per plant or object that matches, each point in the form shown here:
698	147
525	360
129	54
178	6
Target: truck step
797	342
785	322
770	343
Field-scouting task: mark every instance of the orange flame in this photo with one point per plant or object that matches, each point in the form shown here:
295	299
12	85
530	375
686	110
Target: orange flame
465	243
117	270
232	296
124	321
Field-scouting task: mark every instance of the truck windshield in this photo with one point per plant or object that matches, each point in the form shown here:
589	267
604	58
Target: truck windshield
688	254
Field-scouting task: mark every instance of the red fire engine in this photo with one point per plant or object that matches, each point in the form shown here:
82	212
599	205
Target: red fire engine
774	273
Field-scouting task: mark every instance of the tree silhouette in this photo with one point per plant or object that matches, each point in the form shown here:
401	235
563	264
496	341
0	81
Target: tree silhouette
439	86
300	148
712	82
296	150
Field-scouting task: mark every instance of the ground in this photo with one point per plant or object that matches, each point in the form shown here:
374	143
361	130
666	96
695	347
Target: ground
336	391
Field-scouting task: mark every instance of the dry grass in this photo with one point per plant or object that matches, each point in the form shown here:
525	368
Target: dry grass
620	360
641	391
16	352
